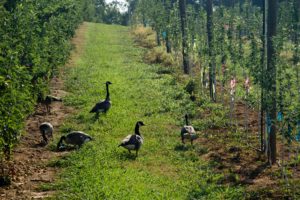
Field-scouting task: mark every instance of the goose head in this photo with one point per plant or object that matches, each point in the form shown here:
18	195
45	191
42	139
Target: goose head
140	123
108	83
60	143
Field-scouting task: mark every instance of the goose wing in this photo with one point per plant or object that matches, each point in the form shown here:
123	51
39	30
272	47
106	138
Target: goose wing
140	139
47	127
188	129
101	106
132	142
77	138
86	138
127	140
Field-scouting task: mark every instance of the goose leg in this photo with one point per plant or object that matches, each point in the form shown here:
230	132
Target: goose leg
191	142
45	138
97	115
129	151
47	108
182	139
136	154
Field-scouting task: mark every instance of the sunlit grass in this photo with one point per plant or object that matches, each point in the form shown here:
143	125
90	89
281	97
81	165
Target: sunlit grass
101	170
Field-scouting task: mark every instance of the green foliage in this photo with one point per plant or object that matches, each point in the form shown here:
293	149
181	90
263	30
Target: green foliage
101	11
34	40
238	44
217	119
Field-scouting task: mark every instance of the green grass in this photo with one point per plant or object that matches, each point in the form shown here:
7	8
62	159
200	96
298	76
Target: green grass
101	170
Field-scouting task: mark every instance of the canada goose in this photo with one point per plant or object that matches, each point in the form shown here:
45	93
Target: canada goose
76	138
48	100
102	106
188	132
135	141
46	130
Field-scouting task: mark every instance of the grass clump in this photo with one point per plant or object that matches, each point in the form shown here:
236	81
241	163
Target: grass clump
158	55
144	37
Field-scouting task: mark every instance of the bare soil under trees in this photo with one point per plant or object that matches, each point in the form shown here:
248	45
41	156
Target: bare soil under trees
28	165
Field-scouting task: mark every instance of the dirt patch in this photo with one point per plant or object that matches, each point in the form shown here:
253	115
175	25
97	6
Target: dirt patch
234	153
30	158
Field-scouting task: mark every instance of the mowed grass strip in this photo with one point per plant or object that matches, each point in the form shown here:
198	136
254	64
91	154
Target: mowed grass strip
101	170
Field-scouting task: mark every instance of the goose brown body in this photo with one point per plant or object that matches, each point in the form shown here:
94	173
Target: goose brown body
46	130
102	106
76	138
188	132
134	141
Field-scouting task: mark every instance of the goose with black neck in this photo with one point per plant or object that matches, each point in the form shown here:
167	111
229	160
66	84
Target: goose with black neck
135	141
102	106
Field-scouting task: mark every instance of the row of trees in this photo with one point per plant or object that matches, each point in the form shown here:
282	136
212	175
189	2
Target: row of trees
248	37
102	12
34	41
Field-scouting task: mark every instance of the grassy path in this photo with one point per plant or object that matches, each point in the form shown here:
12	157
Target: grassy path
101	170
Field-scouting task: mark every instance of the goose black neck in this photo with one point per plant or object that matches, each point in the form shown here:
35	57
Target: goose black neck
107	92
61	141
137	129
186	120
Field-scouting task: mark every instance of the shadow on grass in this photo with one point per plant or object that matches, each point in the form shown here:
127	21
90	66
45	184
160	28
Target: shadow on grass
125	155
100	118
181	147
253	174
96	118
62	162
66	148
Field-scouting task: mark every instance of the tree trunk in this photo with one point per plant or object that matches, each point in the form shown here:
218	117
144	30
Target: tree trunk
167	8
271	73
158	38
262	78
212	71
296	57
296	31
168	43
230	35
144	20
240	33
185	48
